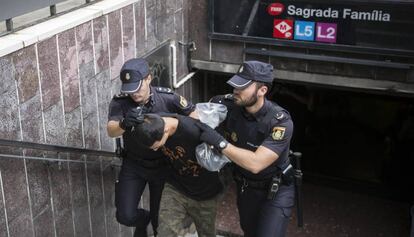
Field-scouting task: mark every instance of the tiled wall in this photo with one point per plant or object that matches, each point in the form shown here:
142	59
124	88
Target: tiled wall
57	92
40	198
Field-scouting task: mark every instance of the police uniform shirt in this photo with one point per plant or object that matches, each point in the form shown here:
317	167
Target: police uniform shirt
251	131
161	100
187	176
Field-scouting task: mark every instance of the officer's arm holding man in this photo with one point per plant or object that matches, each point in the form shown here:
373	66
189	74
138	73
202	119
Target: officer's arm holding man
254	161
249	160
116	128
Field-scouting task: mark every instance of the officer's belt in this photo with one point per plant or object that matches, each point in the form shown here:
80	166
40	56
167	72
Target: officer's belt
257	184
151	164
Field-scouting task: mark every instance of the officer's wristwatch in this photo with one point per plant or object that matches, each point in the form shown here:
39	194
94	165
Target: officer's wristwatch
223	144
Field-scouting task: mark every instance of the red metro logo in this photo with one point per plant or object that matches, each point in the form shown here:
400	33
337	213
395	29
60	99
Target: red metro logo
275	9
283	29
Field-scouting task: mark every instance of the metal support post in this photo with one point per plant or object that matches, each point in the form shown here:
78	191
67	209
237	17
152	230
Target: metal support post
9	24
52	10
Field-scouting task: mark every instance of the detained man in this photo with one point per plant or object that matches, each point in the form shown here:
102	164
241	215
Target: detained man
191	190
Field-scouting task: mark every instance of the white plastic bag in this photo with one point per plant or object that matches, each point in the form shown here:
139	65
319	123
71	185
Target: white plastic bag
211	114
210	158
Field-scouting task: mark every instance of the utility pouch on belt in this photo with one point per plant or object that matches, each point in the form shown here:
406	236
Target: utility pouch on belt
120	151
273	187
117	161
288	175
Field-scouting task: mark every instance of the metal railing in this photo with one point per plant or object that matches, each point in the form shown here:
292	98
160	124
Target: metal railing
110	157
31	11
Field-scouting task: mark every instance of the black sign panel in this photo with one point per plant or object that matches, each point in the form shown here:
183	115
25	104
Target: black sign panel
351	25
160	62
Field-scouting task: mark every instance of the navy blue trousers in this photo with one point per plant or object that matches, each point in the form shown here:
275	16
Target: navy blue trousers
128	191
260	217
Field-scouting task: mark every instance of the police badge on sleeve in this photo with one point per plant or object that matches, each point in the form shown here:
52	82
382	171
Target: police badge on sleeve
183	102
278	133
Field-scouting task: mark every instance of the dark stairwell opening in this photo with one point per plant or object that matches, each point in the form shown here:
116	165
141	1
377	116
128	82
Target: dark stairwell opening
357	156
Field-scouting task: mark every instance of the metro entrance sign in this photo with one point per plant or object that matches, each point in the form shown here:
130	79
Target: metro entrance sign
381	26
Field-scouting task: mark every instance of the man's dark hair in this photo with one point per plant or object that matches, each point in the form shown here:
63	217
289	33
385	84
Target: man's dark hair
150	130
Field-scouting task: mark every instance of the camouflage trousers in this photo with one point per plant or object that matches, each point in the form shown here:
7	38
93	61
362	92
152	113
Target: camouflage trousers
176	207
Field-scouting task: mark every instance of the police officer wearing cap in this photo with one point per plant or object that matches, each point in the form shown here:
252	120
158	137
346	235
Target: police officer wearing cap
258	134
140	165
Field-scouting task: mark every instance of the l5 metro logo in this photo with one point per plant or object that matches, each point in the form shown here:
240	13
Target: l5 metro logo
275	9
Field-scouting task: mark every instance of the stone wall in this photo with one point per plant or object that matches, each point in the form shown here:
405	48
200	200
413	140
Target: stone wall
57	92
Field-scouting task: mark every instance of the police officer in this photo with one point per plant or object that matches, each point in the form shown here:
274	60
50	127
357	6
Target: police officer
259	132
140	164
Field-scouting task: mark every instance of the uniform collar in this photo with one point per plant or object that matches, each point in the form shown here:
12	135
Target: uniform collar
150	102
259	114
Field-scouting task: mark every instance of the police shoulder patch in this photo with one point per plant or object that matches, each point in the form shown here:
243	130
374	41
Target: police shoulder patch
278	133
183	102
233	137
121	96
164	90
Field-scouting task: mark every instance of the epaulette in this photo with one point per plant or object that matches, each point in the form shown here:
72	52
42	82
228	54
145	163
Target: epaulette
222	98
121	96
164	90
278	113
281	115
228	96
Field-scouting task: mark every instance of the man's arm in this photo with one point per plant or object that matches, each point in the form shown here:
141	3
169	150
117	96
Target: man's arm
249	160
113	129
194	115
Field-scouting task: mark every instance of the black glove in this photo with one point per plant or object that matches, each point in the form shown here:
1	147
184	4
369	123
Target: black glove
132	118
211	136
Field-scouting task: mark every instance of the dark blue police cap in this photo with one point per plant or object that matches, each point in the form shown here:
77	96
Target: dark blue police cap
251	71
132	73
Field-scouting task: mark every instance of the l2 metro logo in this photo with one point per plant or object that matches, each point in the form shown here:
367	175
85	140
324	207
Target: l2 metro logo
283	29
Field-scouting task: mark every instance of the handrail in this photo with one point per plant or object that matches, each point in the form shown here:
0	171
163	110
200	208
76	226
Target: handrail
55	148
47	159
13	9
